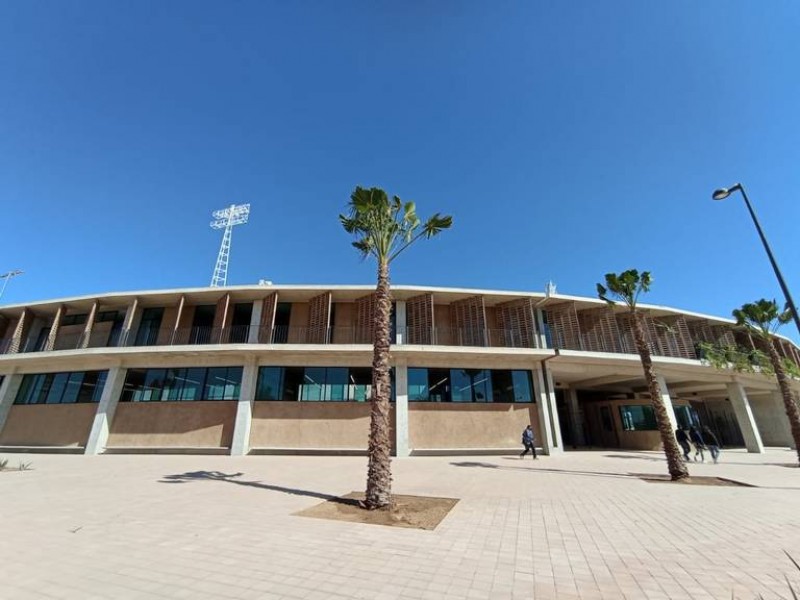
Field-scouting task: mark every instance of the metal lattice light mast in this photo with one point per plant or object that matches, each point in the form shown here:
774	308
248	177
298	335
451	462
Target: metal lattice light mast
8	276
226	218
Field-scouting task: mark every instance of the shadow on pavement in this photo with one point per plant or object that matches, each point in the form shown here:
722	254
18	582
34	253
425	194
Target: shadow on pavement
722	461
545	470
234	478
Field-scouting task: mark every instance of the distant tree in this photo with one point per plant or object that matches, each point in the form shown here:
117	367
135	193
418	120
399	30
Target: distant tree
763	318
383	228
626	287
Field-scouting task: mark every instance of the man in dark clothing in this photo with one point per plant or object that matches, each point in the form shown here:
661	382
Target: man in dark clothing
683	440
712	442
528	442
699	443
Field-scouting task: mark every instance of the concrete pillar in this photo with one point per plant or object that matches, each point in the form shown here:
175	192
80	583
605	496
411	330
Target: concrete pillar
8	393
667	400
576	417
87	330
744	417
401	408
780	412
548	413
101	426
240	445
255	322
131	321
540	327
401	323
51	337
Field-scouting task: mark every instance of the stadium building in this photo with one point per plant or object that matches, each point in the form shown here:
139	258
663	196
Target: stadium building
286	369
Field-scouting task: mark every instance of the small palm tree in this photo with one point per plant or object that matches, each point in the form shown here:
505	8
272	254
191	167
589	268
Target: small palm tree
383	228
763	318
627	287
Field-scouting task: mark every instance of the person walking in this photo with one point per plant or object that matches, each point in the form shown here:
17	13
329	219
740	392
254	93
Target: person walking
712	442
699	443
683	440
528	441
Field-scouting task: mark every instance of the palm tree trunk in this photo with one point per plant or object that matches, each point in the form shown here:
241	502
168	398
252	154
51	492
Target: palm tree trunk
379	473
792	412
677	468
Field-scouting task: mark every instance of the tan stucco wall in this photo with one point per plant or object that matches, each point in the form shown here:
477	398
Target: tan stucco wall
442	324
167	324
48	425
771	420
343	425
468	425
173	425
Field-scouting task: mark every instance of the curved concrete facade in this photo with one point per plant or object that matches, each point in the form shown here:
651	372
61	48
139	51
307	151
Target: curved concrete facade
285	368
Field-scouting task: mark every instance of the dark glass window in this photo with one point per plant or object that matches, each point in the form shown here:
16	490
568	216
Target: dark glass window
283	315
240	323
469	385
182	385
314	384
61	388
73	319
637	418
147	334
108	315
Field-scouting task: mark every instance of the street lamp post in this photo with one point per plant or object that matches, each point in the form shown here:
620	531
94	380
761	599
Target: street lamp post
8	276
723	193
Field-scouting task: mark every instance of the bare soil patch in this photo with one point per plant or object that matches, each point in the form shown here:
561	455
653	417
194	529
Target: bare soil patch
695	480
416	512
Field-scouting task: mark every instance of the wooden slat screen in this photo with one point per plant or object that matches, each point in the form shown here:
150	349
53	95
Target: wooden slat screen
365	319
318	316
517	322
599	330
565	332
419	319
469	322
20	331
671	336
268	306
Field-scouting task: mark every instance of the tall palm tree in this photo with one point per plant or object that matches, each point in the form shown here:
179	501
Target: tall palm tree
627	287
763	318
383	228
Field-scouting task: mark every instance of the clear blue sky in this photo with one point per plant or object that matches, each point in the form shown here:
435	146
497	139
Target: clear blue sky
567	139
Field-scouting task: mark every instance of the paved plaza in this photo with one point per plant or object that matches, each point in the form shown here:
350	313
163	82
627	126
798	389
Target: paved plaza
567	527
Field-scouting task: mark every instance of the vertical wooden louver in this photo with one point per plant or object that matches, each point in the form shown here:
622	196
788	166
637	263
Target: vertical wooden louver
599	330
20	331
671	335
419	319
318	317
516	320
267	323
469	321
365	319
220	333
565	332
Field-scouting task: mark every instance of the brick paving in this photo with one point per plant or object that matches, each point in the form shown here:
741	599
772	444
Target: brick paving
575	526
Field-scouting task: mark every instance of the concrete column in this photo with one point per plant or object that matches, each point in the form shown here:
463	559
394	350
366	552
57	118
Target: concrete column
101	426
51	337
401	408
667	400
576	417
541	337
240	445
401	323
255	322
87	330
548	414
131	321
780	411
8	393
744	416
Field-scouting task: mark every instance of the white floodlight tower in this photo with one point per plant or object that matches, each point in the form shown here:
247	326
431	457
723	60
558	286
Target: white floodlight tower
8	276
226	218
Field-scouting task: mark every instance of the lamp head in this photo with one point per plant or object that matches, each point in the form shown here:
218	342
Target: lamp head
721	194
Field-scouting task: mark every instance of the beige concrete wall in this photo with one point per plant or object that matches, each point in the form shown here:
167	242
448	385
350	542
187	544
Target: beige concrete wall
771	420
187	315
330	425
48	425
456	425
173	425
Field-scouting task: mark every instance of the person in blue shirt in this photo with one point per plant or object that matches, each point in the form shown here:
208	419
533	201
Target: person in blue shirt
528	441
